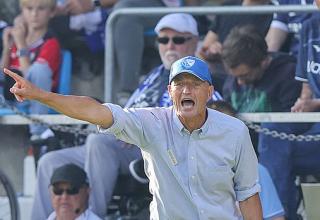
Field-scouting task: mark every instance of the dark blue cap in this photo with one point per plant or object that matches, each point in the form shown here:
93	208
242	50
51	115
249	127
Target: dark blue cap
69	173
192	65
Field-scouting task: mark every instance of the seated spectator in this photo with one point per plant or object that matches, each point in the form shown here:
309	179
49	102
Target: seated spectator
30	48
258	81
284	32
177	37
69	189
222	24
287	159
84	19
129	42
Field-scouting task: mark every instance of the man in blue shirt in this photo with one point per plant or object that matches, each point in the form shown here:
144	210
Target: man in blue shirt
285	28
194	161
177	37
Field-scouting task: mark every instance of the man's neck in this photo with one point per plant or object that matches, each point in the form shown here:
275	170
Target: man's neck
194	123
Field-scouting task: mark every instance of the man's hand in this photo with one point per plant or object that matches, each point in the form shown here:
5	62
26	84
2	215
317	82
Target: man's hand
76	7
7	40
19	32
212	53
23	89
306	105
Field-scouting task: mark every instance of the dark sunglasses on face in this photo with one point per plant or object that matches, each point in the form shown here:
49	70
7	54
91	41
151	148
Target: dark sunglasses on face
70	191
175	40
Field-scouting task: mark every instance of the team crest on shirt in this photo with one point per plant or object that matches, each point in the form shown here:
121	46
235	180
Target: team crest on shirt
188	63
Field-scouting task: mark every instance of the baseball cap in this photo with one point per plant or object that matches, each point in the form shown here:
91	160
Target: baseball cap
180	22
69	173
192	65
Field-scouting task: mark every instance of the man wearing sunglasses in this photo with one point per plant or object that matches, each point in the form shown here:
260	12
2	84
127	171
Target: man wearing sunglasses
70	191
104	157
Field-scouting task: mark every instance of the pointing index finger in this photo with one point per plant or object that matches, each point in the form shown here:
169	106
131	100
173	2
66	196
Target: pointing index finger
13	75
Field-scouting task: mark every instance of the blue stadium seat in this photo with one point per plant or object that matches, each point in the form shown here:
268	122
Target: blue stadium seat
64	85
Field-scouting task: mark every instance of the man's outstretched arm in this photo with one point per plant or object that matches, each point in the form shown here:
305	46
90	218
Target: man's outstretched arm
79	107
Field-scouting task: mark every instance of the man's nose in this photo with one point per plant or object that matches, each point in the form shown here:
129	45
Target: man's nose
241	81
187	88
170	44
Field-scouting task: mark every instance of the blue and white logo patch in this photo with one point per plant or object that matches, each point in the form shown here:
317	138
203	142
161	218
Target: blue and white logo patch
188	63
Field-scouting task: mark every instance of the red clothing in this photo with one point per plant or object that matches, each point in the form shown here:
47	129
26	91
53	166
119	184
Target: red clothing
46	50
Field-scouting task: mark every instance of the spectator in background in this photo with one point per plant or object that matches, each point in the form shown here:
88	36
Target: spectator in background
222	24
284	32
69	189
129	41
84	18
31	48
128	34
259	81
104	157
287	159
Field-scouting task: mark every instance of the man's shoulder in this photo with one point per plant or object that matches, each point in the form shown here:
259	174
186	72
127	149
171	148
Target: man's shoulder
281	60
225	121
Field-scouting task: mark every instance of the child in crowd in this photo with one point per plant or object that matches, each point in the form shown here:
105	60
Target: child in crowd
31	49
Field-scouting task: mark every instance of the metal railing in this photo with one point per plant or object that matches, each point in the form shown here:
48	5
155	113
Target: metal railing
109	38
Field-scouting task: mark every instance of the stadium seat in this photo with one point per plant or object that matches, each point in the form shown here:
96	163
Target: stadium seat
64	85
311	197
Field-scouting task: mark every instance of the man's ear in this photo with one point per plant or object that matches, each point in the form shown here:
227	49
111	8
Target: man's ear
169	90
210	92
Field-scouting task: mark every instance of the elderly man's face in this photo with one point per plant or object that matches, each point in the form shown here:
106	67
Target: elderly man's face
174	45
190	95
69	202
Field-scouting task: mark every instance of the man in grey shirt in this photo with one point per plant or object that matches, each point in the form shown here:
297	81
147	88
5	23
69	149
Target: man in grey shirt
199	161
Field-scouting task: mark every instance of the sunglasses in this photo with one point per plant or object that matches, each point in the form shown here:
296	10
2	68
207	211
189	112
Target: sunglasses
71	191
175	40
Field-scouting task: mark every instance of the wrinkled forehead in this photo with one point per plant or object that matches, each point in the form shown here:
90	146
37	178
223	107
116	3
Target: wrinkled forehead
186	76
46	3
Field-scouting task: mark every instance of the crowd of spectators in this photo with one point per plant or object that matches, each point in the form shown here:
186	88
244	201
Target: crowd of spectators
259	63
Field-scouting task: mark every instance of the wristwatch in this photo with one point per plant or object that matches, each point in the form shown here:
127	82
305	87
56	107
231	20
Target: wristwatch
96	3
24	52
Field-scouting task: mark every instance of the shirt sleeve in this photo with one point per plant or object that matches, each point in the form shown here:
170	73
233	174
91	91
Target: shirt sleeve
246	168
128	124
302	55
280	20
